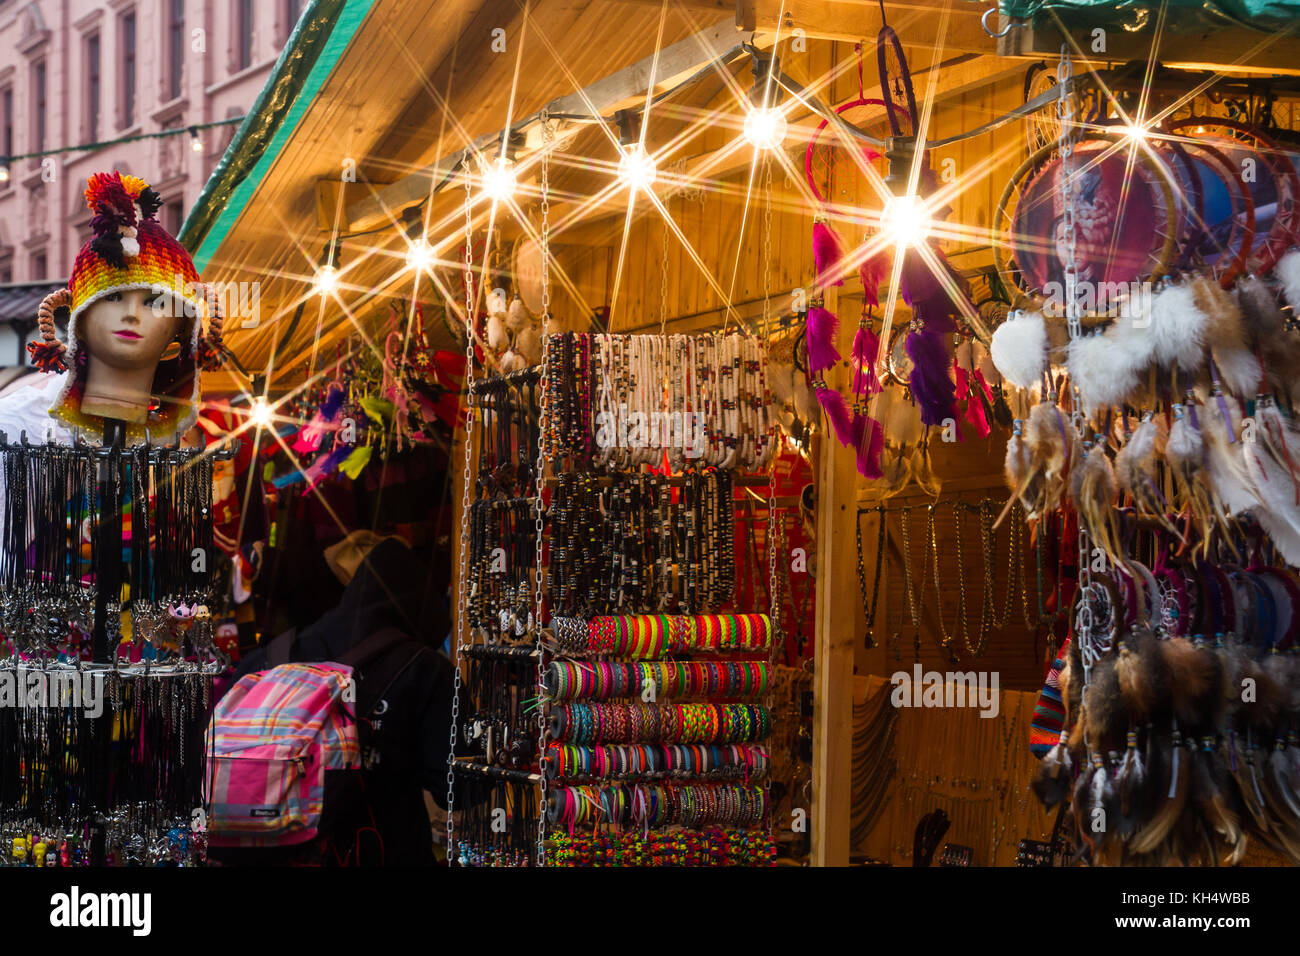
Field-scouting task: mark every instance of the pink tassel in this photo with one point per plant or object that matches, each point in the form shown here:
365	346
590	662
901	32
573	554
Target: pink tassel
838	412
968	389
827	253
869	441
823	327
866	345
872	272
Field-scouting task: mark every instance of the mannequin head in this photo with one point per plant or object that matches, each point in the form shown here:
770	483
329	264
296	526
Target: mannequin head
124	334
129	330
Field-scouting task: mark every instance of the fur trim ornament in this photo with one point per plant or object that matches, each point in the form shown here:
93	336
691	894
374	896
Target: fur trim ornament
529	343
498	336
1100	368
513	361
1178	328
1287	271
1019	348
1238	368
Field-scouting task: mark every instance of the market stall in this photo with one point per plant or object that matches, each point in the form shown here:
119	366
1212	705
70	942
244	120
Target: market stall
842	432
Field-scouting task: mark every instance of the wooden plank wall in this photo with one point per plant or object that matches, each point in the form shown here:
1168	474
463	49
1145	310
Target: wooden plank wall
711	223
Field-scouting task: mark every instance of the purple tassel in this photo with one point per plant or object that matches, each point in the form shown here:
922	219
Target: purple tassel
869	441
827	253
823	327
931	384
866	346
836	410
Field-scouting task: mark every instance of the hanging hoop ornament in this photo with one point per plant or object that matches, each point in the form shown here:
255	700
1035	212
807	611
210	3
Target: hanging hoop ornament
1025	237
48	354
1242	143
896	82
1225	255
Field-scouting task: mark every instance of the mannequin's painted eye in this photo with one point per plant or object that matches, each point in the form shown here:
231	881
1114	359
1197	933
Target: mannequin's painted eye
113	297
156	301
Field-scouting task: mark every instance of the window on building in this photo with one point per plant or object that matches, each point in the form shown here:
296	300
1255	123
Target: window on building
7	122
244	38
92	87
128	64
6	275
172	214
175	46
39	266
38	106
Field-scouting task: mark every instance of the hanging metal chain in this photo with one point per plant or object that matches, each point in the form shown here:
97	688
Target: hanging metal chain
462	580
767	240
1068	135
543	384
663	283
1065	115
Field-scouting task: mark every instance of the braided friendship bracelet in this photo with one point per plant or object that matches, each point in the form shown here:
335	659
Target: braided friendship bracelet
746	761
602	680
589	723
710	847
654	806
651	636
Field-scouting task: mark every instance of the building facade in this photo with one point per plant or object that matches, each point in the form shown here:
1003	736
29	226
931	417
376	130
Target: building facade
77	72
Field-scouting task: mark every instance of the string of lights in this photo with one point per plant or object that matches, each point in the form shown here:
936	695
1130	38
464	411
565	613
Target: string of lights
193	131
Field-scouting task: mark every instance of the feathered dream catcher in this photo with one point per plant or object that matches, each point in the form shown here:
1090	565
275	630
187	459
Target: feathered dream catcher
1168	426
839	173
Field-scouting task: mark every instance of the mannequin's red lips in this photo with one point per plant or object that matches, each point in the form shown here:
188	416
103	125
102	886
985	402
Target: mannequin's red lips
128	334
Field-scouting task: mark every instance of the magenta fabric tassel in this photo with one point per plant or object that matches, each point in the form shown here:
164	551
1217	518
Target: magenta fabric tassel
929	348
971	392
866	346
827	254
933	389
325	465
869	442
823	327
309	437
837	411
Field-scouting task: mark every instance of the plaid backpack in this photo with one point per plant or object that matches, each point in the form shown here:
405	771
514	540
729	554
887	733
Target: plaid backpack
271	739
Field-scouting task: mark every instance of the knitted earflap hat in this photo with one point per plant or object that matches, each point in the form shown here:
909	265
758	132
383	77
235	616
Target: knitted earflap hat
131	250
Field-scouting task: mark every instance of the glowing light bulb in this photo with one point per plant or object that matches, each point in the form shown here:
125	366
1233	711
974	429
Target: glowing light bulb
1136	132
499	180
326	281
765	127
259	413
906	220
1200	129
419	256
636	169
4	172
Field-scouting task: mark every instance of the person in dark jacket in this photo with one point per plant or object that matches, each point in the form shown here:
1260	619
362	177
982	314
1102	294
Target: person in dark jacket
407	692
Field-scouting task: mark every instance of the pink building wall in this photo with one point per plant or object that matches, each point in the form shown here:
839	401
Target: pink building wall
223	65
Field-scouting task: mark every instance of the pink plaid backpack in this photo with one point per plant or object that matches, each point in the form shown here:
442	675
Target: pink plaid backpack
271	739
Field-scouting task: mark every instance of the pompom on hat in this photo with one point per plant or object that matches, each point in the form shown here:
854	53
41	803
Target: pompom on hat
131	250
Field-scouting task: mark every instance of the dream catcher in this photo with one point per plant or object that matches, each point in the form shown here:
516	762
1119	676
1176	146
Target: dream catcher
840	172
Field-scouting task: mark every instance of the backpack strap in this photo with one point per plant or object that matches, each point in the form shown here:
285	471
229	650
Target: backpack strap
280	650
372	647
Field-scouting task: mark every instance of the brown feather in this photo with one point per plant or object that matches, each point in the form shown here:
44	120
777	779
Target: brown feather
1150	836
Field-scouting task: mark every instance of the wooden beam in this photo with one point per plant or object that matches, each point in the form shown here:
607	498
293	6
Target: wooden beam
1223	50
832	771
915	21
626	87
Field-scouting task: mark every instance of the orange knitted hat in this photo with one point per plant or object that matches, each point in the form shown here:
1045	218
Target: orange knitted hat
131	250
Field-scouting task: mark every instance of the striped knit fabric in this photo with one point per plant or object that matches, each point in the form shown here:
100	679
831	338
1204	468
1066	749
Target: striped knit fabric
272	738
1049	715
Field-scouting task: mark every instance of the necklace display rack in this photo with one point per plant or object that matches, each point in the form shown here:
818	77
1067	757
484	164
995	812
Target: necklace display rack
631	728
103	738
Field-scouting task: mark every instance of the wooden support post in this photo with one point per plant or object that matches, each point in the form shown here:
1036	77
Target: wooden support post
837	506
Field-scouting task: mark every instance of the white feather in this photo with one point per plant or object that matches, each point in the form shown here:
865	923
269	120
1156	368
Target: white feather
1019	349
517	317
1104	370
1288	273
512	361
1185	449
1177	328
529	343
497	335
1229	476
